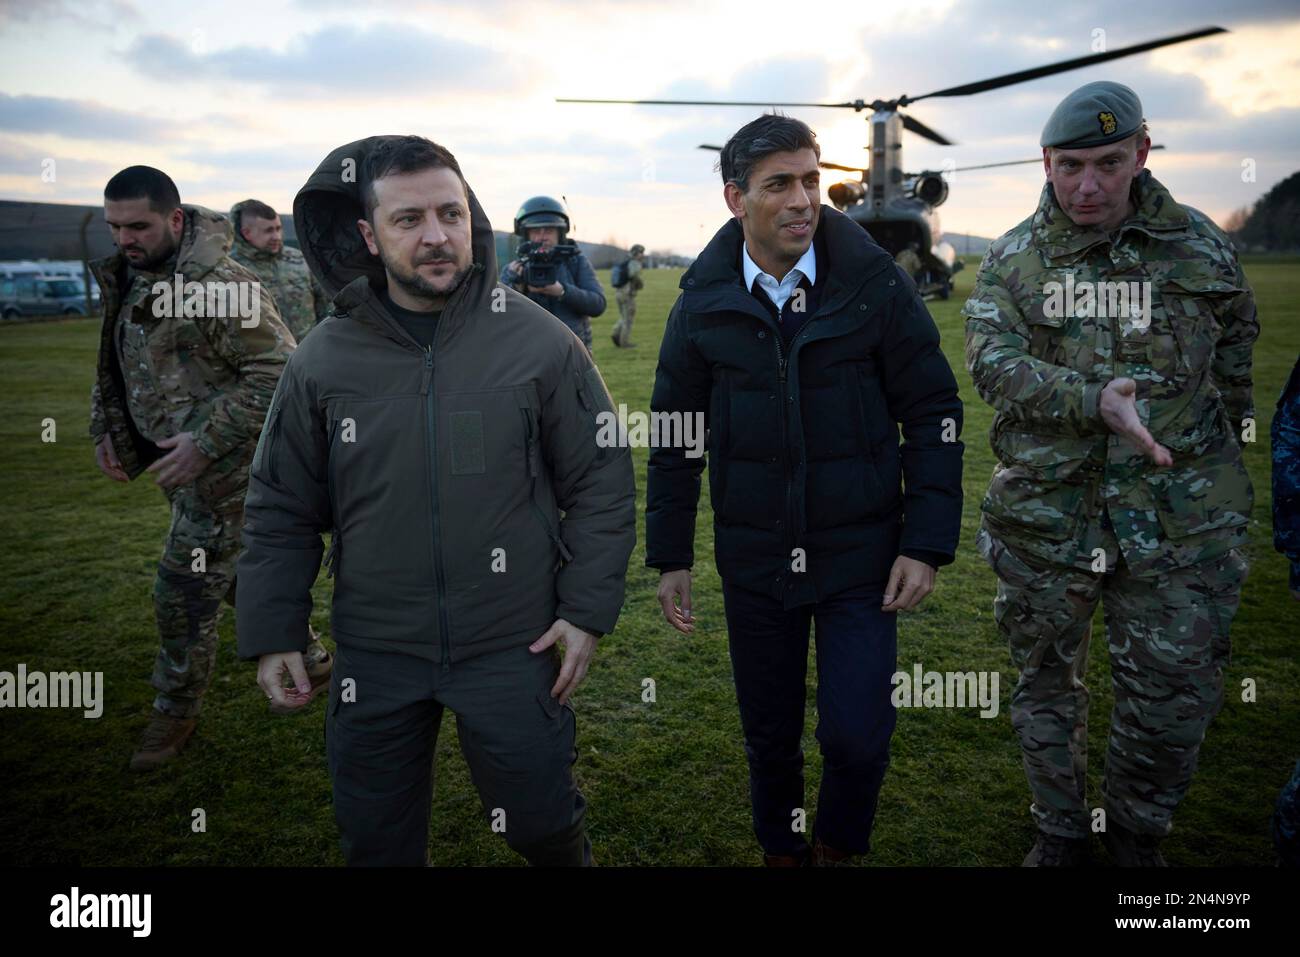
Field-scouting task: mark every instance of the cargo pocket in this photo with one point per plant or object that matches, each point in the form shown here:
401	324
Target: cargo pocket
1046	337
551	706
1222	580
1192	508
1026	503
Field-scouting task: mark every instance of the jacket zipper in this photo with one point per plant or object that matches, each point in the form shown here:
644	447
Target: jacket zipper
781	362
273	428
529	446
332	556
439	581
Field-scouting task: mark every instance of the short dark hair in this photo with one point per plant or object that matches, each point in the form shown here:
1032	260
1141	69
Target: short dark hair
144	182
403	154
254	208
770	133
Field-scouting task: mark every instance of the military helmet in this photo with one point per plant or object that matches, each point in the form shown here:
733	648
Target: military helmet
541	211
637	250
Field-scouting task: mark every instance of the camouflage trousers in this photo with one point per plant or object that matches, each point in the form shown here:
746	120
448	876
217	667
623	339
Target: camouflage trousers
626	316
195	575
1168	642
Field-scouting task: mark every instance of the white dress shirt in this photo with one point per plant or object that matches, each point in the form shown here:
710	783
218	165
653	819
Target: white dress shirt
779	290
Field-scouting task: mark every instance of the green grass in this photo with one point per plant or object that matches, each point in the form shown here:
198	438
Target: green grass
667	782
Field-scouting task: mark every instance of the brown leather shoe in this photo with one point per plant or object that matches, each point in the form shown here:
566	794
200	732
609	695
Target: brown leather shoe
164	737
826	856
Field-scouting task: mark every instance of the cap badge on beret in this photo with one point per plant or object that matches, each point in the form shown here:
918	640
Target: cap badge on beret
1107	121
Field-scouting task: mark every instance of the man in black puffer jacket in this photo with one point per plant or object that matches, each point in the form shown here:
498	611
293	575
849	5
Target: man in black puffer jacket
804	347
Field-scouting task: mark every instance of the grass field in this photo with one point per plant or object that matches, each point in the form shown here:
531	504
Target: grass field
666	782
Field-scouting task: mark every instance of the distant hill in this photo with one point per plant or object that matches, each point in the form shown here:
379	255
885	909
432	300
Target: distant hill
965	244
1273	223
53	231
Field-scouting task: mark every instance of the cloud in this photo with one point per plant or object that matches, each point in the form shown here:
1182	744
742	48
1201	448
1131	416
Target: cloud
79	119
397	60
98	15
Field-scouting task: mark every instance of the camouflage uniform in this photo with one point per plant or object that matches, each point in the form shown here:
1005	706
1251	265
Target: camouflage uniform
160	376
1066	490
625	295
298	297
909	261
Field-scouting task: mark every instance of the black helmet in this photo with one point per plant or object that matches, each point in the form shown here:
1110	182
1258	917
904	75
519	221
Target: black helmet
541	211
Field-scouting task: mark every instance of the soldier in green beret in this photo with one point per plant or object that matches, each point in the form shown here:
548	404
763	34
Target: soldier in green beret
1112	333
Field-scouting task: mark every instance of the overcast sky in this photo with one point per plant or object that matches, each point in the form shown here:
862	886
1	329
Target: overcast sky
240	99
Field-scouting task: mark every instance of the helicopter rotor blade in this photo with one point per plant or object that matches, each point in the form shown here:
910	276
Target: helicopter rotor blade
854	105
1036	159
822	163
914	125
1065	65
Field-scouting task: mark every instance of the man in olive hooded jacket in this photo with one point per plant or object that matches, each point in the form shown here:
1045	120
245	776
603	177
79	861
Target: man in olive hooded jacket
443	428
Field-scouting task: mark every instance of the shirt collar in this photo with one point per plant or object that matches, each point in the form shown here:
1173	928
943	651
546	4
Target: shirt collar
806	266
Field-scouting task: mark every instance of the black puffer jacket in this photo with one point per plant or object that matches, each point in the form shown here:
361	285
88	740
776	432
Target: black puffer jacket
441	472
804	449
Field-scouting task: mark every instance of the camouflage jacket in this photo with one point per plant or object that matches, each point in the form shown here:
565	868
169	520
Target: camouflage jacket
300	300
206	374
634	282
1064	485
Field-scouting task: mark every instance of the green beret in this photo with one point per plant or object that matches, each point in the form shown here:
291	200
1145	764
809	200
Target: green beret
1093	115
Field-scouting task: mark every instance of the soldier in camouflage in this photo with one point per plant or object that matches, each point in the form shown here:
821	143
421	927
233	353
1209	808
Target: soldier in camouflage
259	245
625	296
302	303
1112	333
189	355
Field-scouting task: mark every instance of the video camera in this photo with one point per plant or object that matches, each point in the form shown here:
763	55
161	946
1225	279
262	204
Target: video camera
540	262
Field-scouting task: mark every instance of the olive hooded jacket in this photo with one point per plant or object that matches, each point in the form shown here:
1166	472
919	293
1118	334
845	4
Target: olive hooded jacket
469	500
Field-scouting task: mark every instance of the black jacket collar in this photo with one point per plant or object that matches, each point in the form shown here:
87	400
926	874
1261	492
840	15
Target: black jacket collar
847	257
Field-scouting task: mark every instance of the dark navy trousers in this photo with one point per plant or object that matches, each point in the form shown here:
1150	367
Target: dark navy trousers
856	646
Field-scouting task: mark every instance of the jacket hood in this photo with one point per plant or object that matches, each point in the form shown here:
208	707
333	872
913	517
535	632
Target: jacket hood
325	214
853	257
205	241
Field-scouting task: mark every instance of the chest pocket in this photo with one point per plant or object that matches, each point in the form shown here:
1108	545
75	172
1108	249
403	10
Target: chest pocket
1192	306
1047	337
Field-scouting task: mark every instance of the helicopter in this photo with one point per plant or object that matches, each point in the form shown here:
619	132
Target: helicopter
898	208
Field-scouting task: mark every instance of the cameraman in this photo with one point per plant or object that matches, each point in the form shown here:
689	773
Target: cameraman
575	296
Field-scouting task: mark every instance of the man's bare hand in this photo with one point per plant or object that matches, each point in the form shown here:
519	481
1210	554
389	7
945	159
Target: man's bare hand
271	670
909	582
1118	407
183	464
555	290
578	647
675	599
106	459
